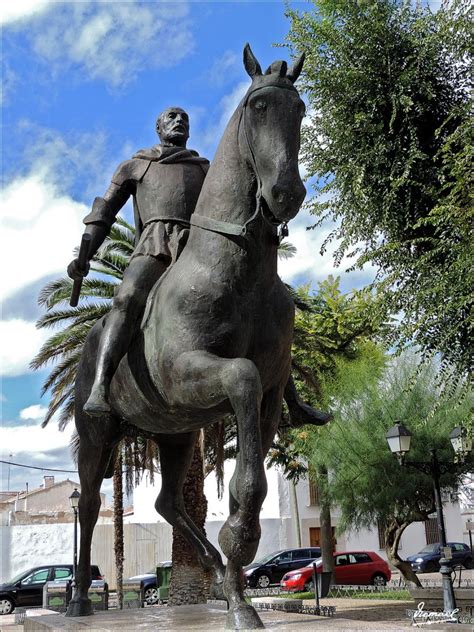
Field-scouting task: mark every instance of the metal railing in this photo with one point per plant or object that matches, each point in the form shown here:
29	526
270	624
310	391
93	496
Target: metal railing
297	608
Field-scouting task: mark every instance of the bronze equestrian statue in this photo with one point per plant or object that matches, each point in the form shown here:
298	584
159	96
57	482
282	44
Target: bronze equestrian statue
215	338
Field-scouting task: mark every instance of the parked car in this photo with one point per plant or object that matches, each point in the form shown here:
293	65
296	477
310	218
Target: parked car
26	589
354	567
427	560
148	581
271	568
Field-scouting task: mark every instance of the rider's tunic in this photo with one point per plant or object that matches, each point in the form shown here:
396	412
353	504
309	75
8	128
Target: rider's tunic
165	183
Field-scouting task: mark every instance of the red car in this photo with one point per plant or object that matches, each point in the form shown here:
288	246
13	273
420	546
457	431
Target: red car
354	567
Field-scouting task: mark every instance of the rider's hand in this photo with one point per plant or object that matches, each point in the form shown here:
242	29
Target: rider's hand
74	271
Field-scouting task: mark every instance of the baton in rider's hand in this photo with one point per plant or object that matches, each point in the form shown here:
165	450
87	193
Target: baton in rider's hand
82	264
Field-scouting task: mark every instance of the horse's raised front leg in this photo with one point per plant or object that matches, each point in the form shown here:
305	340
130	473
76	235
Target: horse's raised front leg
176	452
203	380
93	464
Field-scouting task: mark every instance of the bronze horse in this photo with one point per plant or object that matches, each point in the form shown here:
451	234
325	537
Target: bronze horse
215	339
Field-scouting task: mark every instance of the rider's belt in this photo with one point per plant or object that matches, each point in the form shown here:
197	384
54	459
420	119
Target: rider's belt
101	213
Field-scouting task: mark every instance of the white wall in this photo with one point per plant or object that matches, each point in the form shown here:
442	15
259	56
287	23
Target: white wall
25	546
145	494
412	541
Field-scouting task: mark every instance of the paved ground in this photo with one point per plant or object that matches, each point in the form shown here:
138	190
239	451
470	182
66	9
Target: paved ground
352	614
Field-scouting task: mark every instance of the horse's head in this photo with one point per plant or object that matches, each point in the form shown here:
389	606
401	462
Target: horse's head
269	135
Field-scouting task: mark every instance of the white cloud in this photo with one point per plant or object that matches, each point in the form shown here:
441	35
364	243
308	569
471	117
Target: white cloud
308	265
35	412
113	41
18	10
20	342
40	228
227	105
35	440
224	68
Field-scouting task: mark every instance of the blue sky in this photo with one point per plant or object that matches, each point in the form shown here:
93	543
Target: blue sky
83	84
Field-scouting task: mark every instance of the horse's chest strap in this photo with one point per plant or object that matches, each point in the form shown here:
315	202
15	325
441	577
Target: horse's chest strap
217	226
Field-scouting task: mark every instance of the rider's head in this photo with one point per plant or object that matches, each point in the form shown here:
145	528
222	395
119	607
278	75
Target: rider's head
172	127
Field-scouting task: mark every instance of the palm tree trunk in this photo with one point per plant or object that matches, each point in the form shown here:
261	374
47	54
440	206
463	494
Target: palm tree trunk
393	533
118	526
296	513
189	582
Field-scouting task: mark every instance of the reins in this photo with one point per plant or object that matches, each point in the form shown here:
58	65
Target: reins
240	230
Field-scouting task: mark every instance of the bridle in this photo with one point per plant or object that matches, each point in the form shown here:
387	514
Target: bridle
240	230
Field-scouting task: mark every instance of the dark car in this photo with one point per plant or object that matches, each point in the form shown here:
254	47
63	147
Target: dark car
427	560
271	568
148	581
26	589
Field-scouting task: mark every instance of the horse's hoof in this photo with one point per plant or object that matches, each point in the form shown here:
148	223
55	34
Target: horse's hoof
96	406
301	414
216	590
79	607
243	617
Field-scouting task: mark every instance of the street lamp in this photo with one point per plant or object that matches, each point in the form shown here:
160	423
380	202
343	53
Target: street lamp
74	500
398	439
461	442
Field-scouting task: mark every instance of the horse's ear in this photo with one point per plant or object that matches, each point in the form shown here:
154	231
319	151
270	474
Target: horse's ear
250	62
295	70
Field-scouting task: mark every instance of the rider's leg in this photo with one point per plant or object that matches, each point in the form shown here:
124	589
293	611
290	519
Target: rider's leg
121	324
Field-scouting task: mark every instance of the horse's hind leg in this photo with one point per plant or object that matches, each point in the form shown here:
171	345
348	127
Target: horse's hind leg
94	462
203	380
176	452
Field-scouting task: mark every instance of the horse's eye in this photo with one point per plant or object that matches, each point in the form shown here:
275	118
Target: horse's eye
260	105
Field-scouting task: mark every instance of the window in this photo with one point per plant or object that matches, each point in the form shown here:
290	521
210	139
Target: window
342	560
301	554
362	558
39	577
431	531
313	492
459	547
62	573
284	557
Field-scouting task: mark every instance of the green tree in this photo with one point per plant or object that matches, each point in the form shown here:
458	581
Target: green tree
367	483
390	143
63	350
331	326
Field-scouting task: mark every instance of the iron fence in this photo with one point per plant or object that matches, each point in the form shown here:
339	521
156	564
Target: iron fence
322	611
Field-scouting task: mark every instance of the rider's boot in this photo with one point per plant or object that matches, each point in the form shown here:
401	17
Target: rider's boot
300	413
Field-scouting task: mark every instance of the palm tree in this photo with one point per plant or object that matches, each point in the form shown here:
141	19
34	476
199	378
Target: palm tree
63	350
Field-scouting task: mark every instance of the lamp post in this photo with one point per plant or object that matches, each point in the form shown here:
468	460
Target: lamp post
74	500
398	439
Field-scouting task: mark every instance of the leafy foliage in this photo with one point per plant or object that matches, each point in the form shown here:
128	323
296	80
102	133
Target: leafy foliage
366	481
390	142
333	326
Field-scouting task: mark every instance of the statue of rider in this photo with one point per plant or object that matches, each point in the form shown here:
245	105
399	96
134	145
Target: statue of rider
165	182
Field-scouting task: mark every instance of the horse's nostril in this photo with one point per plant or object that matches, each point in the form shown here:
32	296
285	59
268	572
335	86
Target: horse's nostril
278	194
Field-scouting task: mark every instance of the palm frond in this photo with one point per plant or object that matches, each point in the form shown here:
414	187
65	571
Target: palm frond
286	250
78	315
62	342
71	360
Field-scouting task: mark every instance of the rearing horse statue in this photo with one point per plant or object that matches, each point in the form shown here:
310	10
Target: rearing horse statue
215	338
